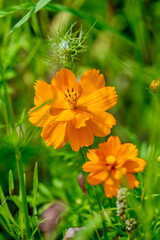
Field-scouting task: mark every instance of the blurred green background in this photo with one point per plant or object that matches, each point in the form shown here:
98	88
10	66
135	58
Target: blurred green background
123	44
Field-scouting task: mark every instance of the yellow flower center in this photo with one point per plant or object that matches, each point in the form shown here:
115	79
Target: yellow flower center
71	97
110	159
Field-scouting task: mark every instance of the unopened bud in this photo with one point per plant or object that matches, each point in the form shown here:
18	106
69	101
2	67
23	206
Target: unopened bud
155	86
81	182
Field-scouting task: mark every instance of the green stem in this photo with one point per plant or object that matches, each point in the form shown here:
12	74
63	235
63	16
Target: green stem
23	192
128	236
89	202
87	196
102	214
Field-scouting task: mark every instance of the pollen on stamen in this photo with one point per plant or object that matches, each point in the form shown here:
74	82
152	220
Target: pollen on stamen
110	159
71	96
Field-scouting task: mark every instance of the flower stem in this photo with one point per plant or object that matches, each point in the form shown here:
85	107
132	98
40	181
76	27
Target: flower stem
87	196
102	214
23	192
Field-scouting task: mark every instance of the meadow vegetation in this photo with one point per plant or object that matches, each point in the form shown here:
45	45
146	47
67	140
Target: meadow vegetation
119	38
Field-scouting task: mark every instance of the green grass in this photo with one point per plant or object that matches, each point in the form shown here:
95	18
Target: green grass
123	42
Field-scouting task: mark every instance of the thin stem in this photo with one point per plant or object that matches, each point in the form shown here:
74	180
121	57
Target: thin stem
89	202
128	236
87	196
102	214
81	152
23	193
142	197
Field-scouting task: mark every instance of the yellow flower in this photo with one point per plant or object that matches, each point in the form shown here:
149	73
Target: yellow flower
71	110
113	164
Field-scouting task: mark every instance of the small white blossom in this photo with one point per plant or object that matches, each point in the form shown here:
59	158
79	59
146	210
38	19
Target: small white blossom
130	224
122	202
64	44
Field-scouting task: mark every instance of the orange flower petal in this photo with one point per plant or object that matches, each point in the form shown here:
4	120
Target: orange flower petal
44	93
135	165
113	143
118	173
101	123
80	118
55	134
126	151
92	155
65	115
100	100
65	79
39	116
111	188
91	81
59	100
96	178
111	146
55	111
130	181
93	166
79	137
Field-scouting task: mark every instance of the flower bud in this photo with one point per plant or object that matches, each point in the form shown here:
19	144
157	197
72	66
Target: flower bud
81	182
155	86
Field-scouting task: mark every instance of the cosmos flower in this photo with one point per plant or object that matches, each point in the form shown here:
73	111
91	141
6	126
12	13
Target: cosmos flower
70	110
113	164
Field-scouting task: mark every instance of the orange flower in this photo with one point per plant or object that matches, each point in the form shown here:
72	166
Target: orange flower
71	110
113	164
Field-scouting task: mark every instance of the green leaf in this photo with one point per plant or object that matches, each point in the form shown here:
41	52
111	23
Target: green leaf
35	9
11	183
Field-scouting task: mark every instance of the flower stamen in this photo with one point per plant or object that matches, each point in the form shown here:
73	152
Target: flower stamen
110	160
71	96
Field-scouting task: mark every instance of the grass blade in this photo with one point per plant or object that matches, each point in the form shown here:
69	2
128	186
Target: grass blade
35	9
11	183
35	187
